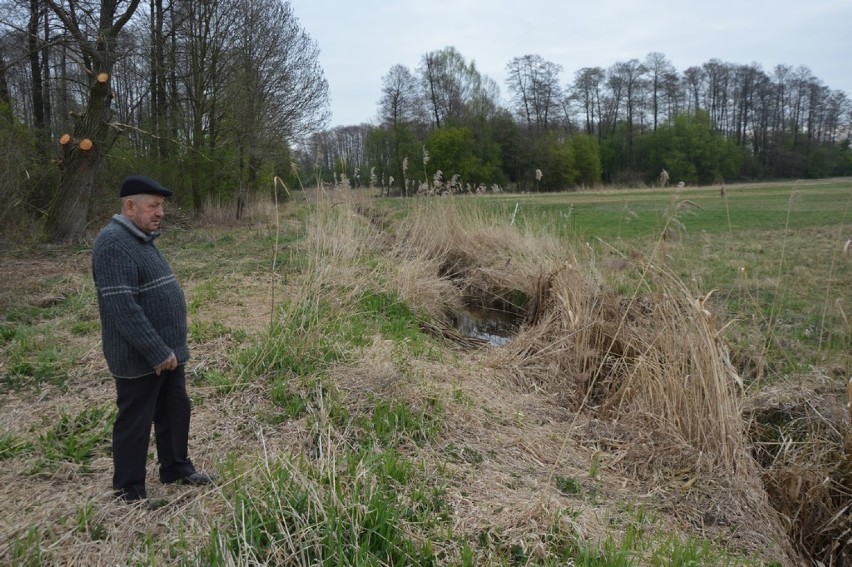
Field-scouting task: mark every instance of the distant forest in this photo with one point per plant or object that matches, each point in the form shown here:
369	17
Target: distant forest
216	98
621	126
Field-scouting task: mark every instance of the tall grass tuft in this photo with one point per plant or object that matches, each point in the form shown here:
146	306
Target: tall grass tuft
333	513
655	356
800	440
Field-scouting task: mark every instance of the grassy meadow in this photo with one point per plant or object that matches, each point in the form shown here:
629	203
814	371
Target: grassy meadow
675	392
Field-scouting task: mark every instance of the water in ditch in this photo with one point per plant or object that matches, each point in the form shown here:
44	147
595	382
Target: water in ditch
492	325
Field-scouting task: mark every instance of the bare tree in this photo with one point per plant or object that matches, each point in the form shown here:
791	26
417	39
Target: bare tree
659	69
675	95
484	104
717	77
5	97
587	91
201	36
836	105
17	63
275	90
449	85
158	77
39	74
747	82
400	102
95	32
693	80
781	75
343	149
801	85
535	88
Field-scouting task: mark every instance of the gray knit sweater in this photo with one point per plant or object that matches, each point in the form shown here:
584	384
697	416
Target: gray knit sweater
141	303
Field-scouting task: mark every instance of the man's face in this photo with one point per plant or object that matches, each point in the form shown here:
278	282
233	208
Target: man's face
146	211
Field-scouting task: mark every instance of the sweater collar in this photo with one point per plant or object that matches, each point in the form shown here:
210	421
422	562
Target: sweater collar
133	229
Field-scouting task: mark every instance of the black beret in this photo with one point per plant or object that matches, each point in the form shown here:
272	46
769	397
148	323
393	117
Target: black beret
136	184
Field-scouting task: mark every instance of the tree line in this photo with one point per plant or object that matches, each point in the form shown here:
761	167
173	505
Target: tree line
217	97
207	95
620	125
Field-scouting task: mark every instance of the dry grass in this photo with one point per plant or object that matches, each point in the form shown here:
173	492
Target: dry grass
806	453
633	398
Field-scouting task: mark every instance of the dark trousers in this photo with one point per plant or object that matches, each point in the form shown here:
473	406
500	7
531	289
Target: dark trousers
163	401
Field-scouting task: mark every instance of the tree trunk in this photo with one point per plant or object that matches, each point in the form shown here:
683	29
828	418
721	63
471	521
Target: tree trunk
36	76
159	103
66	217
45	84
241	187
67	214
5	97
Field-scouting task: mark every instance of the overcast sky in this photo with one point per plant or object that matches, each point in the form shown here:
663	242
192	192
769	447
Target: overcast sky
359	40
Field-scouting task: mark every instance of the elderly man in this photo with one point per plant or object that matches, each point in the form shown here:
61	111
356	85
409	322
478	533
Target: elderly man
144	329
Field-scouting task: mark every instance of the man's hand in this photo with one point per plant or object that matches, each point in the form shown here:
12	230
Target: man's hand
169	364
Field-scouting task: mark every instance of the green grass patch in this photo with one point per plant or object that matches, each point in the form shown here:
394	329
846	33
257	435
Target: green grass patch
295	395
204	293
12	445
33	338
203	255
464	454
223	382
205	331
392	422
307	338
76	438
568	485
33	357
25	314
395	321
350	517
635	540
84	327
86	522
304	340
27	550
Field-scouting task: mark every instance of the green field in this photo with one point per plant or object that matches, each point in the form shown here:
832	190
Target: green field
641	213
